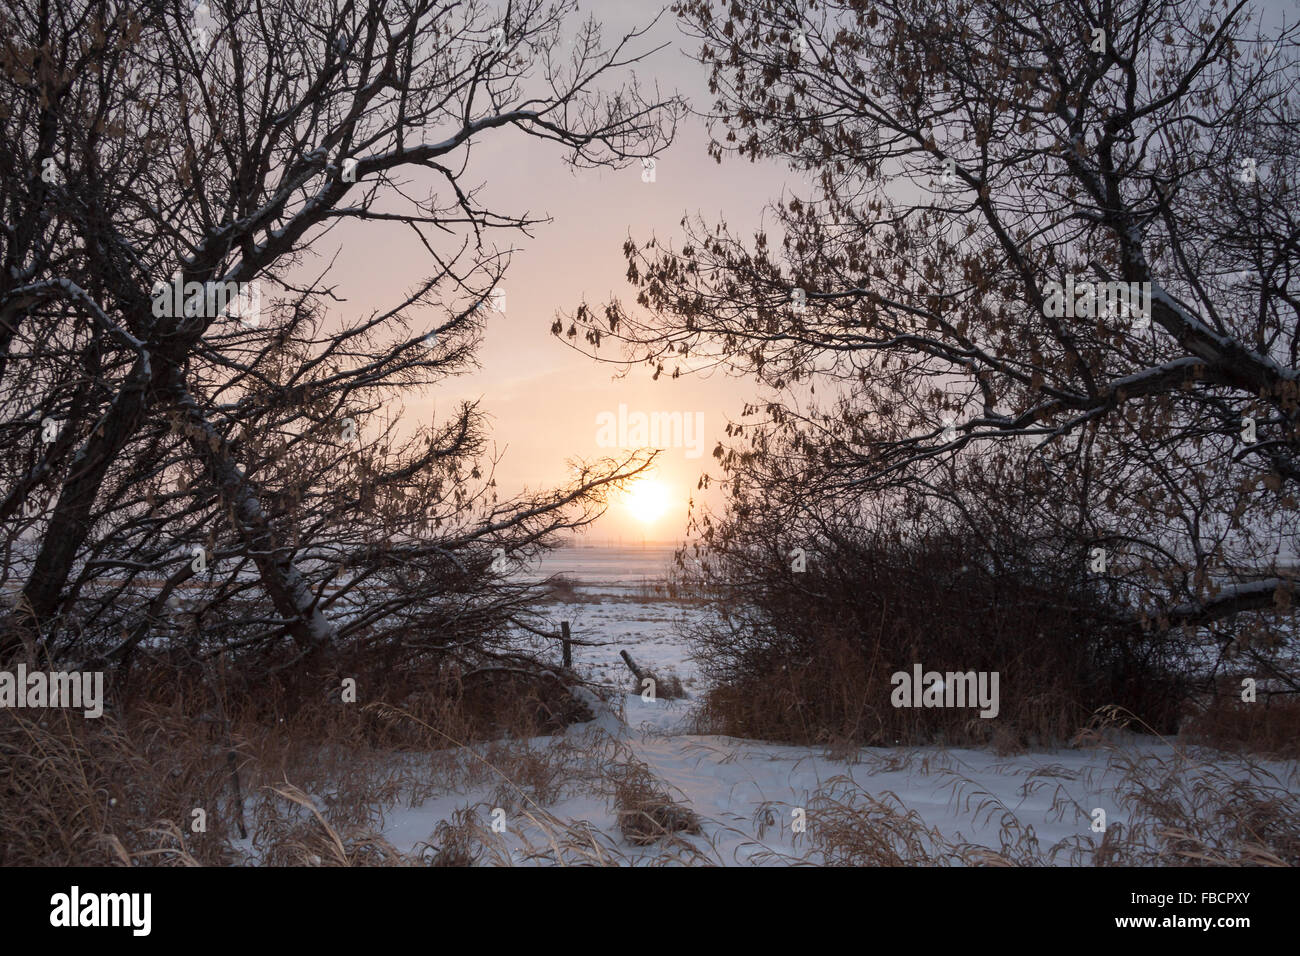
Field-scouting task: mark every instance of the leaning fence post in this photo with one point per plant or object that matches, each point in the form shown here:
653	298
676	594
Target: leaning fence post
631	665
568	648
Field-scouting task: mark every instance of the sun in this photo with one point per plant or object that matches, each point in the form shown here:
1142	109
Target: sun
647	501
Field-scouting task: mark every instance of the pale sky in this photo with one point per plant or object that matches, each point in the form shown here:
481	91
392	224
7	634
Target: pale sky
544	398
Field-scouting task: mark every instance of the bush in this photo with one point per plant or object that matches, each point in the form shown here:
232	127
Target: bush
813	660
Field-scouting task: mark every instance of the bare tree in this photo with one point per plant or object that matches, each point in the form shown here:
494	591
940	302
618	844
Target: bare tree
1044	274
194	424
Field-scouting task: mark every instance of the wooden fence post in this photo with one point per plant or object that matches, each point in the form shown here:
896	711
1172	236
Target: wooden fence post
631	665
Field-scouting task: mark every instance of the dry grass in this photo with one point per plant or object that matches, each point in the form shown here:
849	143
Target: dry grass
646	813
1198	807
1182	809
287	772
97	793
311	785
1182	813
317	786
1269	726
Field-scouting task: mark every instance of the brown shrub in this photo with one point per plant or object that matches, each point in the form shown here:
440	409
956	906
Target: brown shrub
1268	726
647	814
807	657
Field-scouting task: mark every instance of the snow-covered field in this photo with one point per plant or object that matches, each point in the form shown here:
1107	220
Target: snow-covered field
753	798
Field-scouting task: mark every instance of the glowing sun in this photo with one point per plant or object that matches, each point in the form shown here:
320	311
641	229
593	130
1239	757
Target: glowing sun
647	501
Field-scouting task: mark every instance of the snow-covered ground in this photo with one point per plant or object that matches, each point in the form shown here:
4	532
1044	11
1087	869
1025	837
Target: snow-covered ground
751	796
608	616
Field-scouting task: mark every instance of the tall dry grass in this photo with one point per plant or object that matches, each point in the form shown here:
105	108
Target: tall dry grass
284	771
318	785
